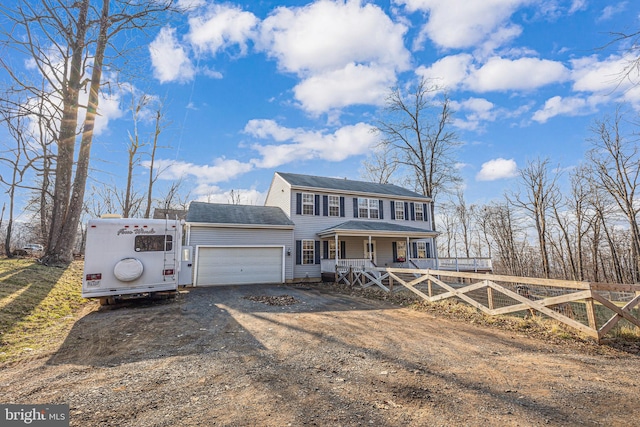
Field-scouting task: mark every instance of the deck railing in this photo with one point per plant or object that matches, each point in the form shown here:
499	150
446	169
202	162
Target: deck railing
595	309
465	264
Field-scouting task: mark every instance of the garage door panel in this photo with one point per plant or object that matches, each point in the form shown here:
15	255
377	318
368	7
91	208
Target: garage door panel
239	265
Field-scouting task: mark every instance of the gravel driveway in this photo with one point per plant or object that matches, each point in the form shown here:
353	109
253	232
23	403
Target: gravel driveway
292	356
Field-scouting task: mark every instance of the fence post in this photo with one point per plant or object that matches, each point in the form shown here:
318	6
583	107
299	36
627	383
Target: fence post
351	275
591	315
335	275
429	285
490	297
390	283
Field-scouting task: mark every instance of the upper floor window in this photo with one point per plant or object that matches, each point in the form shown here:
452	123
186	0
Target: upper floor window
419	212
334	205
399	210
368	208
308	204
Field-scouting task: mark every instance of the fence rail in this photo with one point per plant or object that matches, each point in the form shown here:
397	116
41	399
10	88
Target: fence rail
595	309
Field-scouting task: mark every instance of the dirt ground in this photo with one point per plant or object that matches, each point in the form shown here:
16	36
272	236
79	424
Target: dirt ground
293	356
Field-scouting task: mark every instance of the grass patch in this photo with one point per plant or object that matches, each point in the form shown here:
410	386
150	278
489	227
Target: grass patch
38	306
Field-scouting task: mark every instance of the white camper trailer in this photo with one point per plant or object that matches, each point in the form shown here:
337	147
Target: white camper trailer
125	257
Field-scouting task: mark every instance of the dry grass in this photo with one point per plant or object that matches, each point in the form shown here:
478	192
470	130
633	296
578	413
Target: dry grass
38	306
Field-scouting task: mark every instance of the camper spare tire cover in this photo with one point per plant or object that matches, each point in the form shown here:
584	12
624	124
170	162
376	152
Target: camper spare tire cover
128	269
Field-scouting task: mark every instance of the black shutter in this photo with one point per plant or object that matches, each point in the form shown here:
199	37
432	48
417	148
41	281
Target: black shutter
424	212
413	211
317	252
406	211
343	249
299	203
414	246
298	252
325	205
355	207
325	249
342	206
393	210
394	246
428	250
381	215
316	203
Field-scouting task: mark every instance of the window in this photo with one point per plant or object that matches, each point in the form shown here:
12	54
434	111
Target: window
399	210
308	252
368	208
421	247
401	251
307	204
332	249
153	243
419	212
334	206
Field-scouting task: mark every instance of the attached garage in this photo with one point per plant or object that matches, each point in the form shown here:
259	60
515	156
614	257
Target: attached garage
239	265
239	244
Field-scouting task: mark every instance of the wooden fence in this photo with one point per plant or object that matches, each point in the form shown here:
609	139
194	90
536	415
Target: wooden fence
594	309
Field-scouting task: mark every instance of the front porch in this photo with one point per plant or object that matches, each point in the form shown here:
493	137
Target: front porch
476	265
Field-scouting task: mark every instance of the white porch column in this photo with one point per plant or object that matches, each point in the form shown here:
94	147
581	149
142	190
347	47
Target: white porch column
370	250
435	252
407	255
337	248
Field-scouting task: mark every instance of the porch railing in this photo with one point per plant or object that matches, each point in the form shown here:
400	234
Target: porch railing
329	265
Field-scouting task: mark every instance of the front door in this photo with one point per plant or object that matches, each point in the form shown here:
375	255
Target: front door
370	251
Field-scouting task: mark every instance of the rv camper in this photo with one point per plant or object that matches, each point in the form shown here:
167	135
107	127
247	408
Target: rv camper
128	257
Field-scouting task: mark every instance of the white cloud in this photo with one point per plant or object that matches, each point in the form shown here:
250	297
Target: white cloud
214	194
327	35
500	74
221	170
593	75
169	59
353	84
497	169
608	12
220	27
569	106
458	24
497	74
307	145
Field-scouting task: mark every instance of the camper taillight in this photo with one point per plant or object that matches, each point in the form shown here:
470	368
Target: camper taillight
168	272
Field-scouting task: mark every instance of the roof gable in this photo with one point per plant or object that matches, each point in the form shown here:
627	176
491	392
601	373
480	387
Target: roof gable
347	185
218	213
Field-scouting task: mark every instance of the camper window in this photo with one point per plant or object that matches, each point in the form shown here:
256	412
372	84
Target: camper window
153	243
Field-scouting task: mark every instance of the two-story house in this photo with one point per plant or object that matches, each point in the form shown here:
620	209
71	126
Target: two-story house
309	225
341	221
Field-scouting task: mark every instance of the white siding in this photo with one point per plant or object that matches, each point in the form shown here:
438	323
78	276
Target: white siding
279	195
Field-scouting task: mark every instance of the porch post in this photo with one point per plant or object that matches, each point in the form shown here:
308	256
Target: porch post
435	251
407	255
370	250
337	248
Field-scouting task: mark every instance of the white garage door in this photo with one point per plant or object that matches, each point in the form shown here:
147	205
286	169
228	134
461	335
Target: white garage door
239	265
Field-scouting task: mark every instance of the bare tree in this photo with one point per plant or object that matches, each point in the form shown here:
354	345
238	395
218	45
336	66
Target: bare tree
501	226
418	127
67	44
616	163
153	174
381	165
538	196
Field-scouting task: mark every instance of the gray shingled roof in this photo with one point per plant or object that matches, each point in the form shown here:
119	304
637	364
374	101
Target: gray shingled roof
347	185
217	213
374	226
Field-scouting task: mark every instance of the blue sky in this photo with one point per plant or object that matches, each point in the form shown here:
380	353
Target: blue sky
257	87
